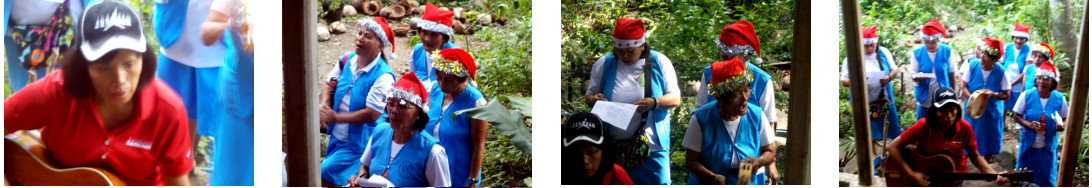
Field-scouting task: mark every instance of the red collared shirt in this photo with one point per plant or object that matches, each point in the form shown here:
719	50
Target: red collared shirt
155	142
931	141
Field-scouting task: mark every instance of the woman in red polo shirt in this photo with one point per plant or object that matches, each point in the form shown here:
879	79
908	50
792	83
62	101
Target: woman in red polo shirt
942	131
105	108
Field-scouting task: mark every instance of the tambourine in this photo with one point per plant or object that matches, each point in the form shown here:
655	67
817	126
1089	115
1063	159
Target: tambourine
242	26
976	106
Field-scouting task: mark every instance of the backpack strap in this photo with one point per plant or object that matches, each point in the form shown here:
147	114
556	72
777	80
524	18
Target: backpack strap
345	58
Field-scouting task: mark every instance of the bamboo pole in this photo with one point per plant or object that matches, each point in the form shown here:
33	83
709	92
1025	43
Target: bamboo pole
300	93
851	20
1078	102
798	151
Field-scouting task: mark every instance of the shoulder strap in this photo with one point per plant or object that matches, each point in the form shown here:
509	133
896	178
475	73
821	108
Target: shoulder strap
646	54
344	59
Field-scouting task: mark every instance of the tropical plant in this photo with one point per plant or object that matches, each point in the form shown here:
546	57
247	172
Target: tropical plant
508	154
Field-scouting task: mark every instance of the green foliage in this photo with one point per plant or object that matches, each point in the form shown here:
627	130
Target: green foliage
326	7
145	8
504	72
505	66
509	122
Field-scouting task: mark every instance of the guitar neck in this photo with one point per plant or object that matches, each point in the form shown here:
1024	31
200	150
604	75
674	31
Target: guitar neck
951	176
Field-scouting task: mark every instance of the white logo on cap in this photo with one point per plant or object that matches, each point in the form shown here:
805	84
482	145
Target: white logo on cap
947	94
113	20
584	124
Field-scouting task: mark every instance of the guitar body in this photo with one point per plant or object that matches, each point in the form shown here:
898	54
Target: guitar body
933	164
941	171
27	163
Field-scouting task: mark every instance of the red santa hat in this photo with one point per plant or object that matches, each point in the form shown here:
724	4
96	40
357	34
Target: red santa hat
410	90
1043	48
436	20
381	29
739	38
869	35
1020	30
1048	70
933	30
991	46
454	61
629	33
728	76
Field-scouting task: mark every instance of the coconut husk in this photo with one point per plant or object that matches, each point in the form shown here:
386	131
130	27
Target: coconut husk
400	30
409	3
372	8
459	27
501	21
359	5
459	13
413	23
484	19
385	11
337	27
396	12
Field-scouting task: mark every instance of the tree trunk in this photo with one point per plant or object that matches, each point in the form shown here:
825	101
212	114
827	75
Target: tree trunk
1065	37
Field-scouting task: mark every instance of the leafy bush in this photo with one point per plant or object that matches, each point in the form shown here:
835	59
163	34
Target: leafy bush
504	71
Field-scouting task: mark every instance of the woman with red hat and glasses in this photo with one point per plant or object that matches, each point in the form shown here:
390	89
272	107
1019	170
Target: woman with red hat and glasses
881	98
462	136
1040	53
988	75
105	108
933	65
728	132
739	40
620	76
399	150
358	100
436	34
1041	120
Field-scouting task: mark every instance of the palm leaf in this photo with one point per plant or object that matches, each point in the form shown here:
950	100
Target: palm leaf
508	122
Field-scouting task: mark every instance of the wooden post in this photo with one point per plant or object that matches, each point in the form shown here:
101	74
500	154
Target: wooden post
1078	102
798	151
300	93
851	21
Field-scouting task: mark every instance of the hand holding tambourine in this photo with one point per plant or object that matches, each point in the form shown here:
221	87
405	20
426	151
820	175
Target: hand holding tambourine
242	25
976	106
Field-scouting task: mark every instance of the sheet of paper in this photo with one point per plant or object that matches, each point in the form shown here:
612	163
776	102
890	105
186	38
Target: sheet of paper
926	75
874	78
374	181
619	115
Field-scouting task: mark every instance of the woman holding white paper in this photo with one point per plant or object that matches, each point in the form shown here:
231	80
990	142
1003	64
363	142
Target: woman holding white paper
878	60
621	76
1041	120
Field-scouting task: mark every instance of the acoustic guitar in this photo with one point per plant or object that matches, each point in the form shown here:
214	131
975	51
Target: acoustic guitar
27	163
940	169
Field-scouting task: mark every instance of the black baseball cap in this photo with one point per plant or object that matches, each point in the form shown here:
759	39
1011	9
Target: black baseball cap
943	96
109	26
583	126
